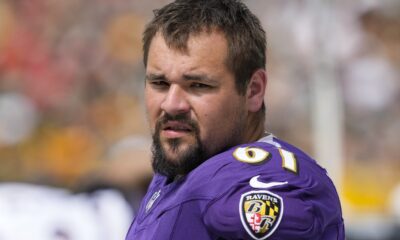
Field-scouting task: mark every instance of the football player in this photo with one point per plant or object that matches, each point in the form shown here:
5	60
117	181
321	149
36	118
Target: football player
218	173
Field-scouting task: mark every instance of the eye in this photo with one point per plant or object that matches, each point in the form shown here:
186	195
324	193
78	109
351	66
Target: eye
159	84
197	85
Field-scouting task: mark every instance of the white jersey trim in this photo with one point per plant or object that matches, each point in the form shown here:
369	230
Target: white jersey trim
269	138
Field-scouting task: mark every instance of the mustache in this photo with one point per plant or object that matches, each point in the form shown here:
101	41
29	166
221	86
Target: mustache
182	118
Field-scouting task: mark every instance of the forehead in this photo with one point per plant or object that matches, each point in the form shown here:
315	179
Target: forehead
207	48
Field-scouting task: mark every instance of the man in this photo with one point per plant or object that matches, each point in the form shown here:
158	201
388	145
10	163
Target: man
218	174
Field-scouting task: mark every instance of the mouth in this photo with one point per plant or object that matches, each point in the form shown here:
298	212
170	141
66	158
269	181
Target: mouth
175	129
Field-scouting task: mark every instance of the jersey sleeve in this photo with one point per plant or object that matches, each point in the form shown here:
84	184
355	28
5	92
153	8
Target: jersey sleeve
245	213
276	204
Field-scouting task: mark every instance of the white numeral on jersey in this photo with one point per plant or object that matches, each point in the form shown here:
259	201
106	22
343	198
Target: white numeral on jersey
289	161
252	155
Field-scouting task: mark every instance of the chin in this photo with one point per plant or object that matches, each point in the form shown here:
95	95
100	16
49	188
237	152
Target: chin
173	157
175	149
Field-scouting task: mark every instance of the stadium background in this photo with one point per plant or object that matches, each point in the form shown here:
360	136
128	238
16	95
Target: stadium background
71	86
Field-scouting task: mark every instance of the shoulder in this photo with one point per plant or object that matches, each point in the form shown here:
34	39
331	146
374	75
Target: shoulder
265	187
273	160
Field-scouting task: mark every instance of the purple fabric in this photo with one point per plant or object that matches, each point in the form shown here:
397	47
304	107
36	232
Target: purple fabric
206	203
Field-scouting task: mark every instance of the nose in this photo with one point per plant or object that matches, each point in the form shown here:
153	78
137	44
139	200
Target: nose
175	101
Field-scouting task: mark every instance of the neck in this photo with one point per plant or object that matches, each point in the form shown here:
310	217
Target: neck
255	128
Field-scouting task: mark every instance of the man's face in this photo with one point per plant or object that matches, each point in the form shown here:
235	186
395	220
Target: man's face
192	104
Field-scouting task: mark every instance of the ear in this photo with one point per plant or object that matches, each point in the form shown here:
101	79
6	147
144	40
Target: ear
256	90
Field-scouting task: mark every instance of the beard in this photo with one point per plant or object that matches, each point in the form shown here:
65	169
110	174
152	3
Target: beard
187	159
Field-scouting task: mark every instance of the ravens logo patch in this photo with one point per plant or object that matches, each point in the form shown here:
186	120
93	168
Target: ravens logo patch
260	213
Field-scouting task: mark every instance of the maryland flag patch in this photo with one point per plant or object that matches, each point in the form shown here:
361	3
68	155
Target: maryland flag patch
260	212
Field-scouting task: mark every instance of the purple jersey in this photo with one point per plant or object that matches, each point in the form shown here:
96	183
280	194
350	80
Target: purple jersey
262	190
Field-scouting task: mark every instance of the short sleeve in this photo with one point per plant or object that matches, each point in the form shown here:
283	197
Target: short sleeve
277	213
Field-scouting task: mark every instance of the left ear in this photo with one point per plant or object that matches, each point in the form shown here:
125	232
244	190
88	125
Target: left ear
256	90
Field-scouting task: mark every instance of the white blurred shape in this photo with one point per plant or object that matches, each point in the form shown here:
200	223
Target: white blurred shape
394	203
370	226
43	213
370	84
18	118
114	213
304	32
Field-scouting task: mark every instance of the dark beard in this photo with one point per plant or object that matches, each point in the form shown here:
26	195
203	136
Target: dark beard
188	160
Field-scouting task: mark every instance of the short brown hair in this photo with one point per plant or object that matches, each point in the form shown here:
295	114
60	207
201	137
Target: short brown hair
180	19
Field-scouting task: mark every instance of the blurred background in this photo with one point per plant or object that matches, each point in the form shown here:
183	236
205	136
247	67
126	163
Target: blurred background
72	123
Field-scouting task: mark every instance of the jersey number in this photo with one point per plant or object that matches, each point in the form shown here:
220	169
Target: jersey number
255	155
251	155
289	161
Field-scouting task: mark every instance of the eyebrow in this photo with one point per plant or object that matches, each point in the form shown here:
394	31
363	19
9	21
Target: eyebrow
198	77
152	76
187	77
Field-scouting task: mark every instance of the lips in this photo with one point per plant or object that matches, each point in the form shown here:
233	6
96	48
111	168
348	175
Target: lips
175	129
177	126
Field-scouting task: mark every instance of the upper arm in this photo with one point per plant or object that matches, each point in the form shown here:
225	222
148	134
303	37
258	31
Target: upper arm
246	213
295	208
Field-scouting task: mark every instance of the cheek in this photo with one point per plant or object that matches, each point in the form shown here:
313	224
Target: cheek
152	105
219	119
